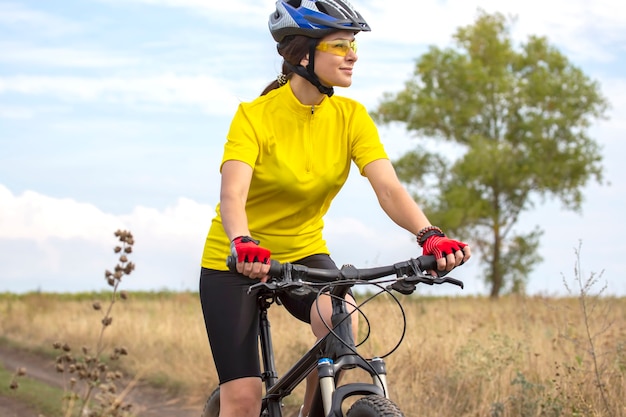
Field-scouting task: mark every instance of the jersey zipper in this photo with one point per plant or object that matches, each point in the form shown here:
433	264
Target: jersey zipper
309	143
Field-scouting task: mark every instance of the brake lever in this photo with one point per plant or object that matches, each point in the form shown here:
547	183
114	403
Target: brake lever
276	286
407	284
268	286
430	280
454	281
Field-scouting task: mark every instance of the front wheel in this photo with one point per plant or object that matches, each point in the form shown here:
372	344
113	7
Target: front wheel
212	405
374	406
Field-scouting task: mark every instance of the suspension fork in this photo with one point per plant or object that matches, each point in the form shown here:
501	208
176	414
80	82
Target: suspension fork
338	344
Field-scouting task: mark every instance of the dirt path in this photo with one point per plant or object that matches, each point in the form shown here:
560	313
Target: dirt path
146	401
10	407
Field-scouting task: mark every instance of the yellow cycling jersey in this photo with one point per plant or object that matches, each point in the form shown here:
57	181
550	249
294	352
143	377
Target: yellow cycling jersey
301	157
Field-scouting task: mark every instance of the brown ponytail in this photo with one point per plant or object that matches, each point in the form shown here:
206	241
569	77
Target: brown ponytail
293	49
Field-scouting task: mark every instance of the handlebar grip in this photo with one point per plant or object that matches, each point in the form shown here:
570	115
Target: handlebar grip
276	268
428	262
231	263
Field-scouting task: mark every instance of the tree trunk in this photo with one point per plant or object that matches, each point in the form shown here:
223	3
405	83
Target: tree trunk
496	270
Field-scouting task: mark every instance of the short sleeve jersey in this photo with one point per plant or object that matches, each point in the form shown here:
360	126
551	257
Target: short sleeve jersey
301	157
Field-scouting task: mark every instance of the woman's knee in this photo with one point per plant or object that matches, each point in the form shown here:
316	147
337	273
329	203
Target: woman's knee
321	315
241	397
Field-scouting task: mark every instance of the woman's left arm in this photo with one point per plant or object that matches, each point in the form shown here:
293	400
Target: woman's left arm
393	197
405	212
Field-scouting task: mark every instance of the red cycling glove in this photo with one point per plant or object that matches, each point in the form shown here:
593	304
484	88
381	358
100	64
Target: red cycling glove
247	249
436	243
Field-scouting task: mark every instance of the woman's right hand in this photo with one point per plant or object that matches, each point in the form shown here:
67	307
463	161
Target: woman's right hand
252	260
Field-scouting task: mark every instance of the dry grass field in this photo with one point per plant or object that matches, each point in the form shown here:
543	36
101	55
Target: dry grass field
516	356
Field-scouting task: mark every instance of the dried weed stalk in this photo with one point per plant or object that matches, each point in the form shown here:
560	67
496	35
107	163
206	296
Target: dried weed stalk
14	383
588	365
91	385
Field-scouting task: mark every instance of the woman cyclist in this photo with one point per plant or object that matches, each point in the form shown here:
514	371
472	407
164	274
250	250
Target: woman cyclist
287	155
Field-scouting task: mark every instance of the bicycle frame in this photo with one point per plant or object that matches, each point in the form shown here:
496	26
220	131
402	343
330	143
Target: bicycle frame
333	347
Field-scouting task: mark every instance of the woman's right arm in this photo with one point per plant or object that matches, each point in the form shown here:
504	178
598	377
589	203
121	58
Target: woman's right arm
236	177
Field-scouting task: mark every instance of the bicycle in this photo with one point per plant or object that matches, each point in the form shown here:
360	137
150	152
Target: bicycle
336	352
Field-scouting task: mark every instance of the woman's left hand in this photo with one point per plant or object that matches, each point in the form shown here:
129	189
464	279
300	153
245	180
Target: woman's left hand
448	252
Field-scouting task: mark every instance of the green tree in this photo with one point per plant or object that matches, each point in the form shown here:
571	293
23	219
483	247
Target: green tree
519	119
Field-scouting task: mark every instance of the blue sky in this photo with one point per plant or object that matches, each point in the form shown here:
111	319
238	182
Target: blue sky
113	114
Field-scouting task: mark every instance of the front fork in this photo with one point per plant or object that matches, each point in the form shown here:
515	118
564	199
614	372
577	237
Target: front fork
379	377
326	374
332	397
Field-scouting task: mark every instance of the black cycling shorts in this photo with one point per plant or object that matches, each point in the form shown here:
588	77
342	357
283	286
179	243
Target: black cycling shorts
231	317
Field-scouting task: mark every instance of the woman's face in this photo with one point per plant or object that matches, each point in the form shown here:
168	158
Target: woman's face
335	58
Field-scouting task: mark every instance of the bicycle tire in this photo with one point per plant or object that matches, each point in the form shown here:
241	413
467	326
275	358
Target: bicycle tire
212	405
374	406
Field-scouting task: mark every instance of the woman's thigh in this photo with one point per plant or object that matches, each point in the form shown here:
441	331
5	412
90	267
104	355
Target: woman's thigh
231	320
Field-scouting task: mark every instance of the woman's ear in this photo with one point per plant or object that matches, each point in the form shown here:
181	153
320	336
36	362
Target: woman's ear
305	61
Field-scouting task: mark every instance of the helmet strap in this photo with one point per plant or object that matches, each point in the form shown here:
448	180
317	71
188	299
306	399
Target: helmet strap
308	73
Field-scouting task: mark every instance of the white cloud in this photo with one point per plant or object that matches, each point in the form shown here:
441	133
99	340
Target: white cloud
187	220
16	112
37	217
63	57
590	32
615	91
211	95
381	69
236	13
53	244
16	15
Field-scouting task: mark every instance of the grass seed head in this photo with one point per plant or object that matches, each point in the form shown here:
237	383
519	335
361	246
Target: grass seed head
130	267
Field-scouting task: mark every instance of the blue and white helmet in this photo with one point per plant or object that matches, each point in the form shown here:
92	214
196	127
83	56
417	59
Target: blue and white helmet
314	19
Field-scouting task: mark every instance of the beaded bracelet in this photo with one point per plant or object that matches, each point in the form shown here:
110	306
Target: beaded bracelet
427	232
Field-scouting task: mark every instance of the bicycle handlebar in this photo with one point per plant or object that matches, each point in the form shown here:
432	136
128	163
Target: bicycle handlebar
408	273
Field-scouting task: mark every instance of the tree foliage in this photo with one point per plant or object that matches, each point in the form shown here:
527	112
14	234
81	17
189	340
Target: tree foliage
519	118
